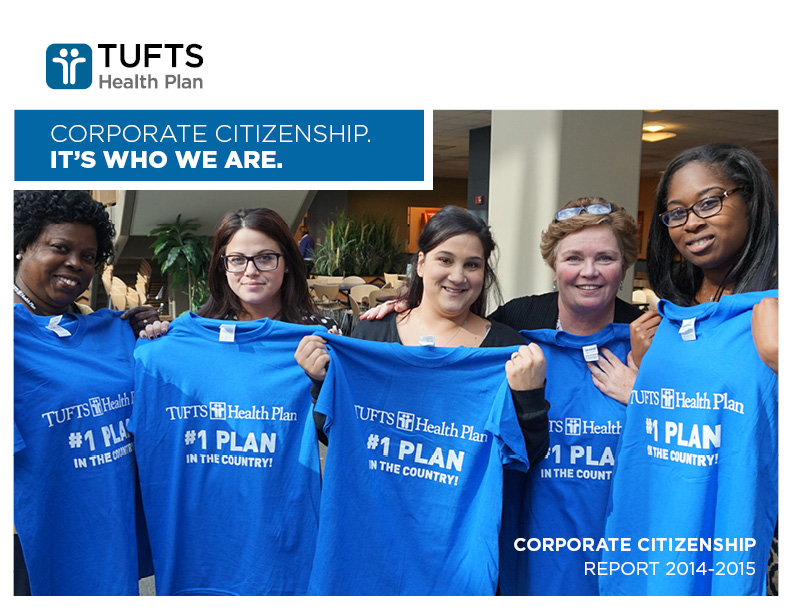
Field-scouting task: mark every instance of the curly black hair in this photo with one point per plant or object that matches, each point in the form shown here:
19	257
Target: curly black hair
34	210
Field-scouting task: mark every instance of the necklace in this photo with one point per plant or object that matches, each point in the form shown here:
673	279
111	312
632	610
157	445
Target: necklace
724	292
429	340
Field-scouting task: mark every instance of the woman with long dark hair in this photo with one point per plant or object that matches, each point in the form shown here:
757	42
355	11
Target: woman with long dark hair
424	367
228	373
698	457
705	274
721	242
256	270
446	299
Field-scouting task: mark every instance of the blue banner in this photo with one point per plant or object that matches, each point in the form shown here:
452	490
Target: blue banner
219	145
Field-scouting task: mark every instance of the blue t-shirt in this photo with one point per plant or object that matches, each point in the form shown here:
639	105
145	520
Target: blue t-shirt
566	496
228	457
697	469
413	481
74	462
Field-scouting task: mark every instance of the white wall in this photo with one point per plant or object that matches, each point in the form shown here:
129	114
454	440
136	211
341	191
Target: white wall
541	160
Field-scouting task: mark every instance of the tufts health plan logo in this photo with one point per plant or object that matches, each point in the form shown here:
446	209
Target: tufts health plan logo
69	66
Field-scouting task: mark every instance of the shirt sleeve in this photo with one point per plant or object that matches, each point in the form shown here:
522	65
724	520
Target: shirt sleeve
506	430
19	441
323	408
532	408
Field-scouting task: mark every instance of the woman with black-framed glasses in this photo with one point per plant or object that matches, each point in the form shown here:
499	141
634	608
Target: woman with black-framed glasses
738	266
698	456
256	271
714	232
223	428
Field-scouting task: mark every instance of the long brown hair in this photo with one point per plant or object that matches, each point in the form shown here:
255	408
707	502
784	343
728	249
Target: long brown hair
223	303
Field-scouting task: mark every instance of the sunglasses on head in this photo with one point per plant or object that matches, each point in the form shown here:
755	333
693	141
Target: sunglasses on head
600	208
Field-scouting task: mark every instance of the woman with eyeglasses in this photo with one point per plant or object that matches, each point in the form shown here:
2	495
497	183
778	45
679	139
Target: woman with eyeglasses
698	458
227	449
706	242
256	271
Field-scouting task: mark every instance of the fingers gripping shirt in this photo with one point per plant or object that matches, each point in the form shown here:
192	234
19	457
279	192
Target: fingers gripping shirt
566	496
418	437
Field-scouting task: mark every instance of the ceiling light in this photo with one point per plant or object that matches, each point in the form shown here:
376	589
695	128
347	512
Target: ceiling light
656	136
653	127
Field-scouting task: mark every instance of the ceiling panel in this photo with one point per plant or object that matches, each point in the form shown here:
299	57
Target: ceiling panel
152	207
755	129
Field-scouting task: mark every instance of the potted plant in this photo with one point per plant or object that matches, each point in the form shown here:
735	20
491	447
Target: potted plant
359	246
184	256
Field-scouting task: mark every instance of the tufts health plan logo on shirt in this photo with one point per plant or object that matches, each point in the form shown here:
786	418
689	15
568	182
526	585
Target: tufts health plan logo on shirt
69	66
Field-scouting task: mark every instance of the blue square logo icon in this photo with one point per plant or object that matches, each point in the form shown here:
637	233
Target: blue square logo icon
69	66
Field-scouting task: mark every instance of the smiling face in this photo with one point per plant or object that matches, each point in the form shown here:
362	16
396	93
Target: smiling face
714	243
259	292
453	274
58	267
588	269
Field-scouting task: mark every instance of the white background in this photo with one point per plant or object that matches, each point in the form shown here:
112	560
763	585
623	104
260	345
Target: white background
410	55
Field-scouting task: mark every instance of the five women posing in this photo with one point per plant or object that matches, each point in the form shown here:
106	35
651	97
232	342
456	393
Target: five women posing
712	255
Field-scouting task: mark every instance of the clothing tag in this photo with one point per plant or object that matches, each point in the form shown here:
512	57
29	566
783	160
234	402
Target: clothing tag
426	341
591	352
688	329
54	325
227	332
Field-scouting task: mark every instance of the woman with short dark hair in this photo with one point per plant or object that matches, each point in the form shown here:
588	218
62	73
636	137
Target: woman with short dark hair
74	480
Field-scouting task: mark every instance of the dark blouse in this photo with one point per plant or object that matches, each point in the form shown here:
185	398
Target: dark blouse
541	312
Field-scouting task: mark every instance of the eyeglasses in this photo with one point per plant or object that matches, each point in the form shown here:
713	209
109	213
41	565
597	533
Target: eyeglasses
600	208
264	262
706	207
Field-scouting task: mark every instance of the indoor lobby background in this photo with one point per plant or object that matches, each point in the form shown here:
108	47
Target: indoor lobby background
512	168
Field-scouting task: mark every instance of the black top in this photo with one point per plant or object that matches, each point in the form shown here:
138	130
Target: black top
541	312
531	406
385	330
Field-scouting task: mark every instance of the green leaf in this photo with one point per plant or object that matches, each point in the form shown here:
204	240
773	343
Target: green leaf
170	261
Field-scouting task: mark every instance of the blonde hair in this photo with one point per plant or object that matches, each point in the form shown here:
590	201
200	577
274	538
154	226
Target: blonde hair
621	223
